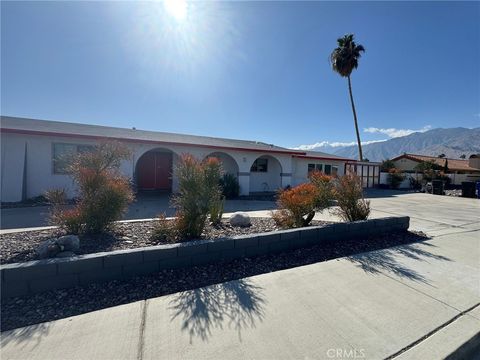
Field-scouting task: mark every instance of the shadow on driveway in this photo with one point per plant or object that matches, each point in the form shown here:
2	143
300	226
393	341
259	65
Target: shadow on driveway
388	260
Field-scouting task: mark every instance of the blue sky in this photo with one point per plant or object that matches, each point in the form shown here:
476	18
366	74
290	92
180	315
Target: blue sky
248	70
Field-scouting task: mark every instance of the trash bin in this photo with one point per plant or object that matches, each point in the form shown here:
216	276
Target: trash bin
437	187
468	189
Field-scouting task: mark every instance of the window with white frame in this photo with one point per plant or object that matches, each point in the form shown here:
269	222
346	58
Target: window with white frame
315	167
63	154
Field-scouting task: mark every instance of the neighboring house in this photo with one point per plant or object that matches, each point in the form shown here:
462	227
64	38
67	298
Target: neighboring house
33	158
459	170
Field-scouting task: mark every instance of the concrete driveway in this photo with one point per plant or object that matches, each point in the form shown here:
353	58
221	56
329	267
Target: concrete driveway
144	207
430	213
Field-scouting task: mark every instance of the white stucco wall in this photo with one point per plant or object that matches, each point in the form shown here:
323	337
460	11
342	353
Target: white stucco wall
267	181
300	168
283	170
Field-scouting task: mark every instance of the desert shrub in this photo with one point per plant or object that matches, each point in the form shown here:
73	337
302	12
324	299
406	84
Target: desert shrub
165	230
387	165
216	210
103	193
198	189
56	197
395	178
296	206
325	186
415	184
69	219
230	186
349	195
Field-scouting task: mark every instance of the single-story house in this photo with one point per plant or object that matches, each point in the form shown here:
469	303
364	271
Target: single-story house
32	152
458	169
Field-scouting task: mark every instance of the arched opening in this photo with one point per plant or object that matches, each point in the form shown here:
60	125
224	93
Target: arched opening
154	170
229	164
265	175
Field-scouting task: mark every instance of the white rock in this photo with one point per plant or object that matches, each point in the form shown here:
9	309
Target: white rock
49	248
240	219
69	243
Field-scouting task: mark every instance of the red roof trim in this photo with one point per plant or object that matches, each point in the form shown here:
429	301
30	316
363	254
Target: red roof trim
321	158
95	137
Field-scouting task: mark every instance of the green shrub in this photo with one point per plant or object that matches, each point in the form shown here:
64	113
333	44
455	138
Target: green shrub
56	197
324	184
165	230
230	186
216	210
198	190
349	195
395	178
103	193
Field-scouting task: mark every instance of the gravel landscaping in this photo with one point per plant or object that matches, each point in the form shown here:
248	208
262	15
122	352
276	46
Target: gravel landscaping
20	247
52	305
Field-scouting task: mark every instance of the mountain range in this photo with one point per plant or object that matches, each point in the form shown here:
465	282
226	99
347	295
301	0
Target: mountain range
453	142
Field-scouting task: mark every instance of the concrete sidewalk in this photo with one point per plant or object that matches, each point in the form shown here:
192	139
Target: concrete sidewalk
374	305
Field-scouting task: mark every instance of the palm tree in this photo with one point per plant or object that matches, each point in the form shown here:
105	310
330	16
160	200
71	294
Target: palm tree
344	59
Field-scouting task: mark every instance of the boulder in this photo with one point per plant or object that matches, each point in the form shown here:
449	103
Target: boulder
240	219
69	243
49	248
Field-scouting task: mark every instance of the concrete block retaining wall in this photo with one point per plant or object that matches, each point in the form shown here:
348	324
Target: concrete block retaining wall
32	277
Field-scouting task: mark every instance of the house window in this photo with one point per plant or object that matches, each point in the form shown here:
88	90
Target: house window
260	165
334	170
315	167
328	169
63	153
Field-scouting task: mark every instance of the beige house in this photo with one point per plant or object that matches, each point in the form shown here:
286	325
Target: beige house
459	170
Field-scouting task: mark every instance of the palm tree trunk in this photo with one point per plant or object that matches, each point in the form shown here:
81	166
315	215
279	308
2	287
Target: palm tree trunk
360	154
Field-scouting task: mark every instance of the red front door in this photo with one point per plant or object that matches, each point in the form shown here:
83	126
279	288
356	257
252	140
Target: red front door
154	171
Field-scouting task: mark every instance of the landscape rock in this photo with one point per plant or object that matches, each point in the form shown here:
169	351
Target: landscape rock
240	219
49	248
69	243
65	254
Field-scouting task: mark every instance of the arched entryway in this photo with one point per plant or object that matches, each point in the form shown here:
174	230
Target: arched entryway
154	170
229	165
265	174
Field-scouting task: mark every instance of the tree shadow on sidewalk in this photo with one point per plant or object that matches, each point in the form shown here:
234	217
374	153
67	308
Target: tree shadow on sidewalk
25	335
389	260
236	305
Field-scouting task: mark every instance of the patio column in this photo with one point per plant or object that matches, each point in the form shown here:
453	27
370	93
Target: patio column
244	181
286	179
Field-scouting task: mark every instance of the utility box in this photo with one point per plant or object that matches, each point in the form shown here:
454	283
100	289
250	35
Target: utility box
437	187
468	189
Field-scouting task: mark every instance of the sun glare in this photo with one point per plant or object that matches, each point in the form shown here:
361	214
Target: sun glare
176	8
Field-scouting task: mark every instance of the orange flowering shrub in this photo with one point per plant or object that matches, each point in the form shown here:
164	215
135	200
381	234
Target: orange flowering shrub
349	195
103	193
296	206
325	186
